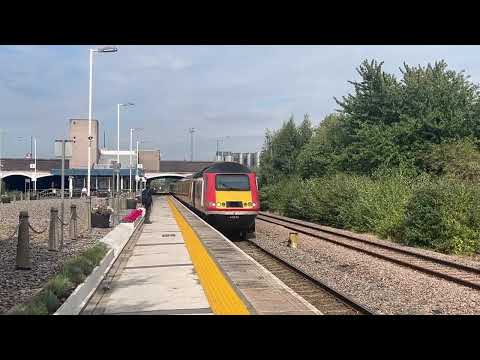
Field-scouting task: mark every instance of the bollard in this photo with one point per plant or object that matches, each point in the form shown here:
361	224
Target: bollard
21	196
73	222
23	245
52	233
293	240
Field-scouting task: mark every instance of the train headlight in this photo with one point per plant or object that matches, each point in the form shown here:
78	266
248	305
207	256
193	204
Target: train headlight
223	204
211	204
250	204
218	204
254	204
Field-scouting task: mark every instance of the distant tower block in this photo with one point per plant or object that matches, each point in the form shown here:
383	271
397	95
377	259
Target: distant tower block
79	133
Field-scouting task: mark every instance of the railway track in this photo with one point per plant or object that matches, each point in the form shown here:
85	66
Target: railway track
459	273
324	298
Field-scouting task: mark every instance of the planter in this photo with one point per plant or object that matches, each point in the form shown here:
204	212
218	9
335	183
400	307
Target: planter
131	204
5	199
100	221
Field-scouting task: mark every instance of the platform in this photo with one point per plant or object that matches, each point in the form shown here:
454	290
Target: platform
181	265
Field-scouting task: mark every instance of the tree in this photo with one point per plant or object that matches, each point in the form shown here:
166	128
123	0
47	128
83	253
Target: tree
281	148
323	153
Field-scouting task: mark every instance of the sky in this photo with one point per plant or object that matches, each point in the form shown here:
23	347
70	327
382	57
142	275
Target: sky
221	91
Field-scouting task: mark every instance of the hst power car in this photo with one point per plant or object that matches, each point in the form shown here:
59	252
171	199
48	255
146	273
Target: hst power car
224	194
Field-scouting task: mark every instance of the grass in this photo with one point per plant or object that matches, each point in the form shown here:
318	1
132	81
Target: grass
57	289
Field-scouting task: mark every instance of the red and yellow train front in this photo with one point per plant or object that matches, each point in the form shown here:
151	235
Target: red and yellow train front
232	200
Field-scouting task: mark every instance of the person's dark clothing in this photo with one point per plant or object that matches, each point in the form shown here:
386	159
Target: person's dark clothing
147	202
147	197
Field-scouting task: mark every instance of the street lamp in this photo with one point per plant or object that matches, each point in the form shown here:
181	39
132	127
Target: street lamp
138	160
105	49
220	140
118	138
131	150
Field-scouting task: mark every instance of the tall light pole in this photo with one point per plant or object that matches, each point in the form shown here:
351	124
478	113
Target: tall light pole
106	49
118	138
219	141
191	131
1	155
138	160
35	155
131	150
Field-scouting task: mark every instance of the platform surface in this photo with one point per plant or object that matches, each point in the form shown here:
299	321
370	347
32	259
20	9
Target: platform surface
159	277
181	265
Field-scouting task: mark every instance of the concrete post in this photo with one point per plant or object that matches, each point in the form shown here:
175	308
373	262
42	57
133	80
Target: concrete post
52	231
23	245
73	222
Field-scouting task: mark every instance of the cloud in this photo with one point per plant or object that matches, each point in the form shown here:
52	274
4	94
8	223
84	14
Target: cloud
236	91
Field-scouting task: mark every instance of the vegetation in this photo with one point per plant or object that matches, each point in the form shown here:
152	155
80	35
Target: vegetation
400	159
73	273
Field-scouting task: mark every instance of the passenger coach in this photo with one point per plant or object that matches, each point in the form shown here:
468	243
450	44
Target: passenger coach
224	194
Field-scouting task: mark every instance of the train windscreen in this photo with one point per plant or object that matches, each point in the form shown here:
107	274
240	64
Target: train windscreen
230	182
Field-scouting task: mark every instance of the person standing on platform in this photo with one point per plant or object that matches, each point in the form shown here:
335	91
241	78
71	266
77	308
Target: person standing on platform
147	202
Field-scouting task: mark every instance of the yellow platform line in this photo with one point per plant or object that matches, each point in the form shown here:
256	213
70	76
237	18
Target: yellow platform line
220	295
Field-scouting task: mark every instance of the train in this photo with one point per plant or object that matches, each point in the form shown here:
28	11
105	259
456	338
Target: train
224	194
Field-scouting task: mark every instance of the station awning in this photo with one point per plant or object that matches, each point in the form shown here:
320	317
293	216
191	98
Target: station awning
95	172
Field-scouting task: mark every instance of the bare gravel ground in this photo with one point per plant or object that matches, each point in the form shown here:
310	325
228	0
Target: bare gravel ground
16	286
385	287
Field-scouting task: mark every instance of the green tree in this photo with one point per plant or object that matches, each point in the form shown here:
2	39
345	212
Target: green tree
323	153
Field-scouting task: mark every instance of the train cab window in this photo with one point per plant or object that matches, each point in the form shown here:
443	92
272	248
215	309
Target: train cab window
231	182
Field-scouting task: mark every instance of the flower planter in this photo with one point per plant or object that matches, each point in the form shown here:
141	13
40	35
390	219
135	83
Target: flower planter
100	220
131	204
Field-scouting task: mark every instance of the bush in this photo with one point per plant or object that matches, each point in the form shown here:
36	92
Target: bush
73	273
444	215
59	285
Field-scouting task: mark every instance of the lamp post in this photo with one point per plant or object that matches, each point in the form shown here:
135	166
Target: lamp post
118	139
138	160
131	150
106	49
219	141
35	177
1	155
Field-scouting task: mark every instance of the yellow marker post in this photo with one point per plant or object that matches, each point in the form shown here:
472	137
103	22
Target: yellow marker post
221	296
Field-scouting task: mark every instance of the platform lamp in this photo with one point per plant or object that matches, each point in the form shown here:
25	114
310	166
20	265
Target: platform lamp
118	138
138	161
105	49
131	150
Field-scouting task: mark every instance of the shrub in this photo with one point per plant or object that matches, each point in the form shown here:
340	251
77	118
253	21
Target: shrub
443	215
73	273
59	285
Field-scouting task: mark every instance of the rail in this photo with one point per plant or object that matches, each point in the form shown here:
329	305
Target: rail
455	272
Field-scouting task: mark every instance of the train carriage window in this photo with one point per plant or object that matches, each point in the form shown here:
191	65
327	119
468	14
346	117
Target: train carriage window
231	182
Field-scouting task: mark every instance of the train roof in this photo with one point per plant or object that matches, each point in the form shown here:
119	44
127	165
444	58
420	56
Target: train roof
223	168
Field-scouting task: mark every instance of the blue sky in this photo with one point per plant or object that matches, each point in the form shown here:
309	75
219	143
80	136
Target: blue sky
236	91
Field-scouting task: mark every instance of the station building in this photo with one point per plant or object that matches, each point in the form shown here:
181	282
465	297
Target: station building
146	166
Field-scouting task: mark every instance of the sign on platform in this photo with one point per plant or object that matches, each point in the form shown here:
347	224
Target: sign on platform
32	166
68	149
140	166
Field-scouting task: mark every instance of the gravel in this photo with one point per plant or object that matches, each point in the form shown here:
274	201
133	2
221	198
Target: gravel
17	286
383	286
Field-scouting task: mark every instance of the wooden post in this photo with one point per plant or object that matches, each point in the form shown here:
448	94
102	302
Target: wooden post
52	233
73	222
23	245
